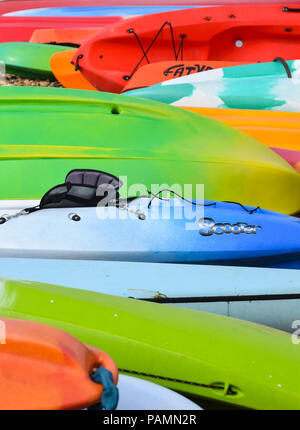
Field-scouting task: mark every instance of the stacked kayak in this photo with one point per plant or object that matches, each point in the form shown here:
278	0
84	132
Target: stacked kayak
63	36
29	59
274	129
18	29
172	231
153	146
247	365
263	86
155	73
227	33
149	206
71	77
265	296
20	19
278	68
139	394
278	130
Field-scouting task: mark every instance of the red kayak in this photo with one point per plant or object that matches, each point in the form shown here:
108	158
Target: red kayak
155	73
20	19
63	36
18	29
238	33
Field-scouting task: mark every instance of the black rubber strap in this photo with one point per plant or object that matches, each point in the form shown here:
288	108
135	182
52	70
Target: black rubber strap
180	48
68	44
77	62
228	388
250	211
290	9
146	51
220	299
285	65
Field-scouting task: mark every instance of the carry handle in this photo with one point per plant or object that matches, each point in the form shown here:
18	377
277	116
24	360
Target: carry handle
110	393
285	65
105	372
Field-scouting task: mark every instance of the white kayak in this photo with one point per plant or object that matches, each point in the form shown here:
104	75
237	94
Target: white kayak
138	394
266	296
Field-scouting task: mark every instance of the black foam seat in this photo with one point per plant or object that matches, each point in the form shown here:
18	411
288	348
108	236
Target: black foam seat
93	178
83	188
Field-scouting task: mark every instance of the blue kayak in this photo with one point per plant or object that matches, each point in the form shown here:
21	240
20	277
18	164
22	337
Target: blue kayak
265	296
155	230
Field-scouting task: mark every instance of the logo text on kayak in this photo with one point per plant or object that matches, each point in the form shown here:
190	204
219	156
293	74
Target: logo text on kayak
180	70
208	227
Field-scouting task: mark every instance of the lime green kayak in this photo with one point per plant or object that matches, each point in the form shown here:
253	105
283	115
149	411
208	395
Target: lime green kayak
200	354
29	60
46	132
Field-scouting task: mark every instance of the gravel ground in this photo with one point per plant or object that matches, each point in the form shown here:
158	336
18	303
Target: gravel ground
17	81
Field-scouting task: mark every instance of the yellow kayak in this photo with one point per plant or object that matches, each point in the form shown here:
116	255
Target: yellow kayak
274	129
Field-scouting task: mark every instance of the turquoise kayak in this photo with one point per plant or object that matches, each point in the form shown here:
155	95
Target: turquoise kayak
255	86
265	296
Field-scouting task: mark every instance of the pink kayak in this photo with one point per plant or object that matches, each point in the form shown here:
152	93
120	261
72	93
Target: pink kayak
291	156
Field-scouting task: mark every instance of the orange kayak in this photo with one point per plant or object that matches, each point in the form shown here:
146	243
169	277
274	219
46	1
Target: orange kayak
63	36
274	129
280	131
155	73
239	33
65	73
42	367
